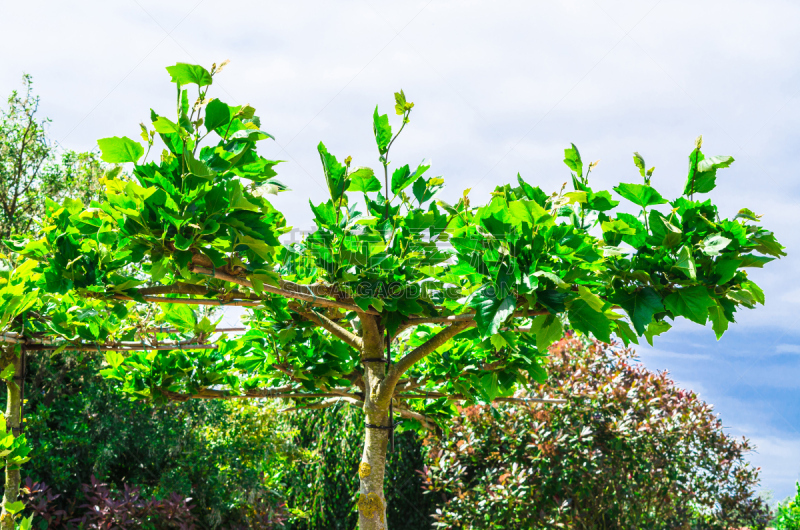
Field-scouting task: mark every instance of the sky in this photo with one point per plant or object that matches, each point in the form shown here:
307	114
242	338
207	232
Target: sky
500	87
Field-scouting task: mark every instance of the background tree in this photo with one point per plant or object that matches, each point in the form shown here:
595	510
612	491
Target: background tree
32	166
372	309
638	453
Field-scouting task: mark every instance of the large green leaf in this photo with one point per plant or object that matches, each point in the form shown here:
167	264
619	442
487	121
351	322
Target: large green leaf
528	212
363	179
184	74
691	303
719	320
572	158
547	329
641	305
491	312
586	320
401	177
334	173
382	131
640	194
703	172
218	114
116	150
714	244
686	263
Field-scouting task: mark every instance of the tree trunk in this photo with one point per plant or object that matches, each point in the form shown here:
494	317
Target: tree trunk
371	501
13	410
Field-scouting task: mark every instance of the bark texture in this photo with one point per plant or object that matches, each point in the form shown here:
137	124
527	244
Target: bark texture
13	410
371	500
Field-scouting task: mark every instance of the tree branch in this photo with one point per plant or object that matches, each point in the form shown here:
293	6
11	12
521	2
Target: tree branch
459	397
191	301
335	329
283	392
424	420
175	288
464	317
419	353
325	404
122	346
312	298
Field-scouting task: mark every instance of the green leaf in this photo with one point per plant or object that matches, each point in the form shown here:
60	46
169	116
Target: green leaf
703	172
600	201
528	212
401	177
489	386
425	190
656	328
641	305
182	243
594	301
532	193
691	303
14	507
401	105
26	522
586	320
726	268
259	247
382	131
755	291
749	260
334	173
625	332
116	150
714	244
163	125
639	161
665	233
686	263
491	312
218	114
640	194
572	158
114	359
719	321
363	179
7	373
185	74
198	168
548	330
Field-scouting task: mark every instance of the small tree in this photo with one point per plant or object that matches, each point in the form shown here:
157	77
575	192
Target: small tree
402	306
32	168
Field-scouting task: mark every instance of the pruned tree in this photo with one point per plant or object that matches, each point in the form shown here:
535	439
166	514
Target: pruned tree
402	306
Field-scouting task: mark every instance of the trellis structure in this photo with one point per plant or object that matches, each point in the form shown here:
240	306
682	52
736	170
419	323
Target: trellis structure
471	322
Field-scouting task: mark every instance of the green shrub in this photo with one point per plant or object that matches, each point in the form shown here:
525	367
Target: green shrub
236	460
788	513
640	454
215	452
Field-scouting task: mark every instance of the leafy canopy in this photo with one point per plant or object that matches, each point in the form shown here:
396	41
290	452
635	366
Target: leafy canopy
194	223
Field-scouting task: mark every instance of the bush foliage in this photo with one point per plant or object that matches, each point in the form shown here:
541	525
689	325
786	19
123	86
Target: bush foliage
788	513
641	454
